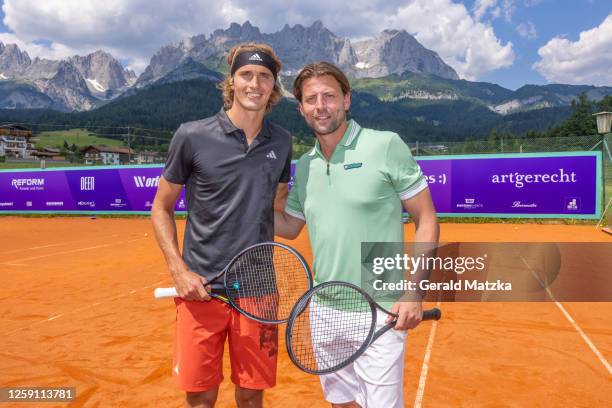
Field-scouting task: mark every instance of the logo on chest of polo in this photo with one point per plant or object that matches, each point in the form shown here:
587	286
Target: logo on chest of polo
271	155
351	166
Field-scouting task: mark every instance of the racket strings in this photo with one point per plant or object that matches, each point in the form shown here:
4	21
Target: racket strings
332	326
267	281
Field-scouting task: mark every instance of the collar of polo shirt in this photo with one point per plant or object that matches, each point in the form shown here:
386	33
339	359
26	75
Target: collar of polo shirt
350	135
229	128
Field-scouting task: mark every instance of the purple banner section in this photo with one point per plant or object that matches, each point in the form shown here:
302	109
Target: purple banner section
554	184
92	190
564	185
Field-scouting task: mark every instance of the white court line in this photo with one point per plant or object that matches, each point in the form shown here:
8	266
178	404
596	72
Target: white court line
57	244
74	250
131	292
586	339
425	367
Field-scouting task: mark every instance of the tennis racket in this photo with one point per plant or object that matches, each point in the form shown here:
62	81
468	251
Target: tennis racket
263	282
333	324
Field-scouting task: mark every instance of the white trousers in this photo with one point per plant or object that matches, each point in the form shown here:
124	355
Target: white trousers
376	378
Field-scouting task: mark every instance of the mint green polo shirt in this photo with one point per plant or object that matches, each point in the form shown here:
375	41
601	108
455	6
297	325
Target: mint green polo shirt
355	197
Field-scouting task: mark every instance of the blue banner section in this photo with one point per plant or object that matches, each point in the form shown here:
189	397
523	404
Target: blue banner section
564	185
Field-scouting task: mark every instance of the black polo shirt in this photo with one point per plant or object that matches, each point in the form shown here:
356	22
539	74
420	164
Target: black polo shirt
229	186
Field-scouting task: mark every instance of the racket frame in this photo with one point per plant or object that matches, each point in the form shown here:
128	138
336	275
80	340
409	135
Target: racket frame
304	301
228	299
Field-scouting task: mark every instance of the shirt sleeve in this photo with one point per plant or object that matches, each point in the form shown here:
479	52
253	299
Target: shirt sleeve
179	160
286	175
294	205
403	171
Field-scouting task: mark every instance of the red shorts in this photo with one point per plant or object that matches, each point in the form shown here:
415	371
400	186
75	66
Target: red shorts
201	330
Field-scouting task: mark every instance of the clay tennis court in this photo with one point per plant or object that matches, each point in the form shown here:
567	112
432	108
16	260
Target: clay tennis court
77	310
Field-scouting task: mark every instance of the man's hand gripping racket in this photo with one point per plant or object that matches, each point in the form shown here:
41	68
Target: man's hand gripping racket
262	282
333	324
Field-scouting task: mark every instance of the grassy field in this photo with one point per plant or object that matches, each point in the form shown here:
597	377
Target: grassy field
80	137
49	163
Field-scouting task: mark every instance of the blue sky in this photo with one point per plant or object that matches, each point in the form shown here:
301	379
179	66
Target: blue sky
551	18
508	42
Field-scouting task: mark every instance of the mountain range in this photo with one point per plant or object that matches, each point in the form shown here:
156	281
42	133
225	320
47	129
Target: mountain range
390	70
76	83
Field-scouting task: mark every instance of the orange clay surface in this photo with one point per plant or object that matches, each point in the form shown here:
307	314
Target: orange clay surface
77	309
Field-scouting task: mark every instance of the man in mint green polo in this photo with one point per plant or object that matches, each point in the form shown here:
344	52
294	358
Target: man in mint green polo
351	188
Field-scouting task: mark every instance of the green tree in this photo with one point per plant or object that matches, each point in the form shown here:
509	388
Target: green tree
605	105
581	122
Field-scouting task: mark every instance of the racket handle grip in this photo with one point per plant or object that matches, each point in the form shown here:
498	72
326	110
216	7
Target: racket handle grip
161	293
432	314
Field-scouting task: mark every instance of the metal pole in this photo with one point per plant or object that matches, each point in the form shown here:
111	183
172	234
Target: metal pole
129	148
605	144
604	213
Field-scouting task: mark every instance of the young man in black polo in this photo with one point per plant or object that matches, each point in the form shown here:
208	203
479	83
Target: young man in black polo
233	165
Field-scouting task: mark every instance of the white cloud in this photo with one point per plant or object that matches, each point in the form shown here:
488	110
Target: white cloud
469	46
482	6
527	30
133	30
509	7
585	61
496	13
53	51
130	29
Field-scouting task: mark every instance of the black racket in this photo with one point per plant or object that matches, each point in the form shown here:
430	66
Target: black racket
263	282
333	324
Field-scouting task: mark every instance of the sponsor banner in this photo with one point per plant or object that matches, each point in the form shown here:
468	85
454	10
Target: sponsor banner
35	191
527	185
562	185
515	185
99	189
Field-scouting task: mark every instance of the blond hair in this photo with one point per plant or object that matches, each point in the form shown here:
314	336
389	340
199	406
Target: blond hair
226	86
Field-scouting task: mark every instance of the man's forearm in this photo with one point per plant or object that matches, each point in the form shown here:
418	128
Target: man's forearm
427	230
166	235
287	226
425	243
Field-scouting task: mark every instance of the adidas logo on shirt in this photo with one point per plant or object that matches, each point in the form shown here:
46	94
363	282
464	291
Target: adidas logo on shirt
271	155
255	57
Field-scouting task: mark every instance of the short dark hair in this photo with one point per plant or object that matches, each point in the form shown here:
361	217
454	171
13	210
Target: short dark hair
317	69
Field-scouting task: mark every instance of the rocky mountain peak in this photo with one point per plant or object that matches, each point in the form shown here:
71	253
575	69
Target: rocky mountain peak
104	75
391	33
244	32
395	52
392	51
317	25
81	82
12	60
77	83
